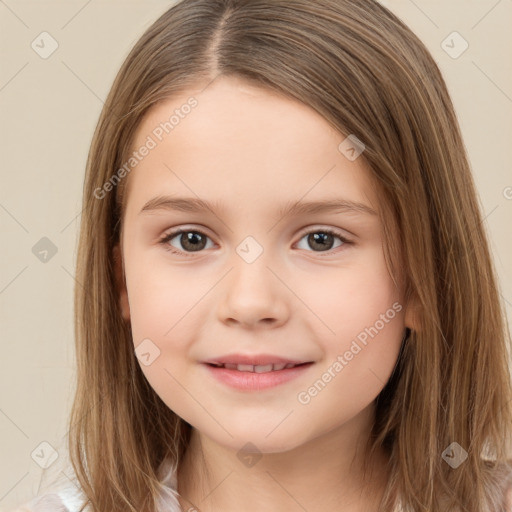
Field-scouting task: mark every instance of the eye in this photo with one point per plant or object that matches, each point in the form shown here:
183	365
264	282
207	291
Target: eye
191	240
323	239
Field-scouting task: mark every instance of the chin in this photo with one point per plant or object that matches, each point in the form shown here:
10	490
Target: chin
258	440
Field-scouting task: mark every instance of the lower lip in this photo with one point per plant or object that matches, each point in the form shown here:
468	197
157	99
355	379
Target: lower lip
252	381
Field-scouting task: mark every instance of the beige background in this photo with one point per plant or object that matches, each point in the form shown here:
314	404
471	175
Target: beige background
48	111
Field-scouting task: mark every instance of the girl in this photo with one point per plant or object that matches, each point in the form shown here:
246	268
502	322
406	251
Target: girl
288	300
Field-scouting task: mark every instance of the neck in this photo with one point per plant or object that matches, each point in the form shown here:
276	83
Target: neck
325	473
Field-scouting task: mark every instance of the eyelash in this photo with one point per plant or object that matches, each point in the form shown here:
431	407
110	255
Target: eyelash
169	236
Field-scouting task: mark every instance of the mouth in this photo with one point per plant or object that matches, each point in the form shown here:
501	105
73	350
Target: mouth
250	378
257	368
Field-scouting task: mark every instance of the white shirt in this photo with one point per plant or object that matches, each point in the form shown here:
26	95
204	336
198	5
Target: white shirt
66	496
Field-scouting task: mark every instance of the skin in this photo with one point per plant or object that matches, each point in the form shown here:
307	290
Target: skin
253	151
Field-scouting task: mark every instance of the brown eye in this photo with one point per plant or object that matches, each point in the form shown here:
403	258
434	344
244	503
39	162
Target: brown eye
323	240
188	241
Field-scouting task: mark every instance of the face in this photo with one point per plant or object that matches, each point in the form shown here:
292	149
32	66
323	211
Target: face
247	277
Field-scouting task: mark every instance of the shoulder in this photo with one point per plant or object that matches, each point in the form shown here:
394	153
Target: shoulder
44	503
66	499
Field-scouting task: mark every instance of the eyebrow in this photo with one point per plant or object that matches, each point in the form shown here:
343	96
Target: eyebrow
194	204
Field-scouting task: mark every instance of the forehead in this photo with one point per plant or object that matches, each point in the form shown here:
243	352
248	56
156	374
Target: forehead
245	143
230	112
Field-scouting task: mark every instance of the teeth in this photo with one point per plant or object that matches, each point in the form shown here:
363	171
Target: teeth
245	368
255	368
263	369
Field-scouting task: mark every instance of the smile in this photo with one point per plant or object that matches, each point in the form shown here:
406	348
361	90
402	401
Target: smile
263	368
248	377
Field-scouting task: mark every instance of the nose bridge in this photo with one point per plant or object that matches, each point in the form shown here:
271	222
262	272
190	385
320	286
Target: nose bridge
252	292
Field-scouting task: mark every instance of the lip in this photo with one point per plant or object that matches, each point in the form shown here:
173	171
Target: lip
252	381
254	359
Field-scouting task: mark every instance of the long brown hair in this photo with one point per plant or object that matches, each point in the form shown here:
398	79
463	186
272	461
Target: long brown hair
367	74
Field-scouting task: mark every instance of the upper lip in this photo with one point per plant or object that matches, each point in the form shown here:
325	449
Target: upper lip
255	360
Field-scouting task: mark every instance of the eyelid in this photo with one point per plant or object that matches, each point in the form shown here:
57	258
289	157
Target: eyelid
322	228
337	232
172	232
313	227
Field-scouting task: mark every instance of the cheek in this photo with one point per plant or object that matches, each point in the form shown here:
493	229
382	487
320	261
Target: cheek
163	323
161	300
360	328
356	366
350	297
166	307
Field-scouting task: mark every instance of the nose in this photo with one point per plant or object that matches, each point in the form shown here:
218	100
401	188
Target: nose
252	295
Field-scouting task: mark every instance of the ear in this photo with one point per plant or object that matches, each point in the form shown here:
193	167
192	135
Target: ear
121	290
